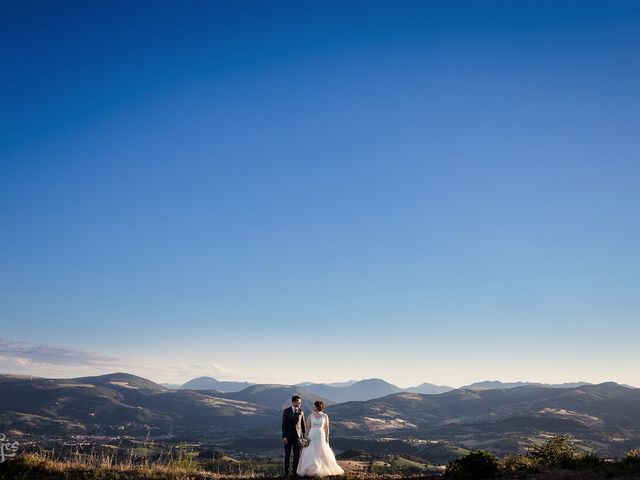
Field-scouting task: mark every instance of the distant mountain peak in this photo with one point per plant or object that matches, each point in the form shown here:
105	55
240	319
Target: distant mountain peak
427	388
497	384
607	387
210	383
122	379
370	381
205	377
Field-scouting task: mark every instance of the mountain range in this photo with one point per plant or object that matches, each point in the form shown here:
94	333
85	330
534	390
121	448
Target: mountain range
603	417
112	403
359	390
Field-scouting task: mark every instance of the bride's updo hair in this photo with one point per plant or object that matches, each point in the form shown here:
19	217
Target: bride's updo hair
319	404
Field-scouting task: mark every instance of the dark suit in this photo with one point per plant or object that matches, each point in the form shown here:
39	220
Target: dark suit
293	429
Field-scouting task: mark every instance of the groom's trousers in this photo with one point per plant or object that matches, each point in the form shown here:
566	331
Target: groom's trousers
292	444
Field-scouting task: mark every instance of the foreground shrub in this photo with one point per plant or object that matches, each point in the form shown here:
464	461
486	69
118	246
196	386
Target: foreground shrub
557	452
475	465
514	463
632	456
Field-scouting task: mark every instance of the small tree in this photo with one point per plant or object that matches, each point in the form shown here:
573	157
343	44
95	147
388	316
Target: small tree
475	465
514	463
558	452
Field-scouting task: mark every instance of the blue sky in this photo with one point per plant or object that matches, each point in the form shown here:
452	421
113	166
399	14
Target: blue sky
317	191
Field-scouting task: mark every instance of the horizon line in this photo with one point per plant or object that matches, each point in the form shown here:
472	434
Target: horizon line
319	383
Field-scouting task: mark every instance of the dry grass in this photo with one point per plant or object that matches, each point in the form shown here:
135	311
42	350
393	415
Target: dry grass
181	464
42	466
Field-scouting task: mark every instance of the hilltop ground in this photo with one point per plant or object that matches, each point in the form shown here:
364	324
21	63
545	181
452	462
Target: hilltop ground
34	467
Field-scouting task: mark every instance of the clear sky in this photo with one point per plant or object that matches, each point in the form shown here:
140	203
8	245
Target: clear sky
321	190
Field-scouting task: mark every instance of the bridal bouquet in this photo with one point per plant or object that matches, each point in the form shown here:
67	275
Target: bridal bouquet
303	442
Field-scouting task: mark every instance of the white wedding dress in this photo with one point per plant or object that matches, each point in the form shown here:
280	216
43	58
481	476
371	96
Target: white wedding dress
317	458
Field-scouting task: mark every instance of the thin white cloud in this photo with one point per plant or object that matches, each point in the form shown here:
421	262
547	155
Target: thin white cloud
53	361
29	353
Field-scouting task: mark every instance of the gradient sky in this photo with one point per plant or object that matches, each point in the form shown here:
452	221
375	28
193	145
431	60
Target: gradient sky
317	191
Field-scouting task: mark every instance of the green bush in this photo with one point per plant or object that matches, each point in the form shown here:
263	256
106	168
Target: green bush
475	465
514	463
587	461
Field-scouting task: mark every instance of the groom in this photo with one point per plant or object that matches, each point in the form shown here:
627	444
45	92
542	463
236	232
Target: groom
293	430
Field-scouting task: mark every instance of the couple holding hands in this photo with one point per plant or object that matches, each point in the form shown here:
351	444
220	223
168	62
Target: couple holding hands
309	441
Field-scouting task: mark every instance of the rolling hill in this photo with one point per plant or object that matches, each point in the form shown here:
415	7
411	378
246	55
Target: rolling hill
493	384
362	390
605	416
117	402
276	396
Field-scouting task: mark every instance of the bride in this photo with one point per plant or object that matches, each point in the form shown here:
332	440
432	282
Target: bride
317	458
